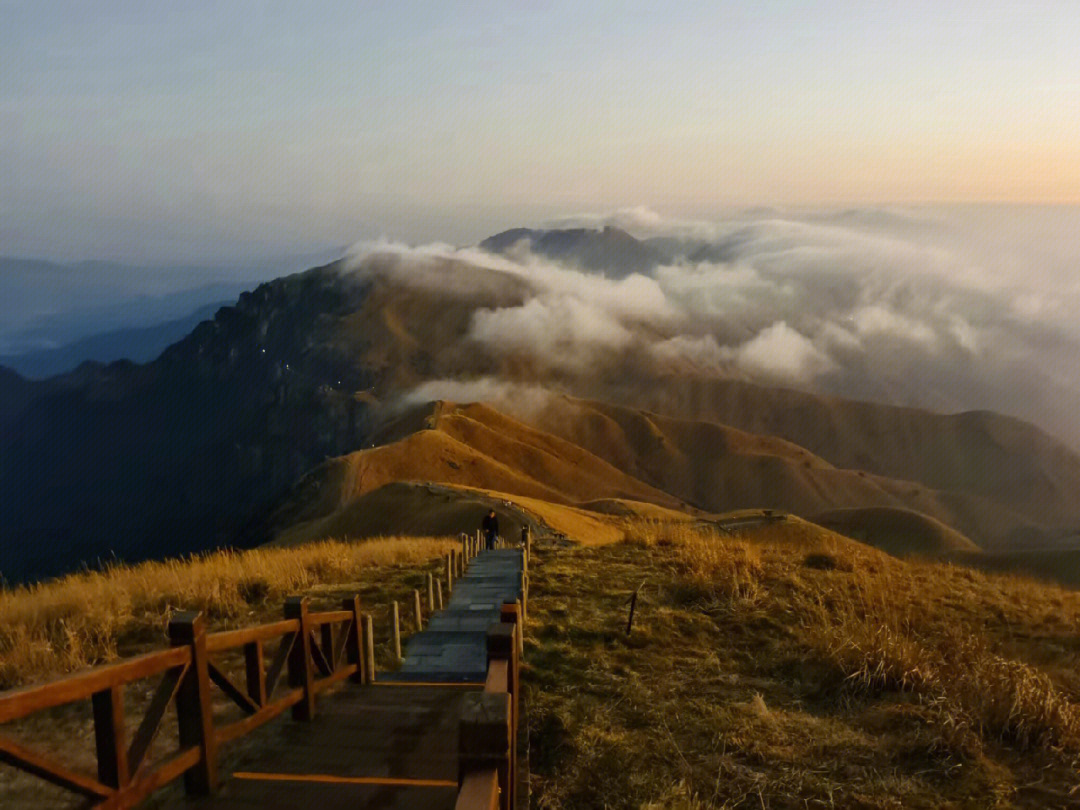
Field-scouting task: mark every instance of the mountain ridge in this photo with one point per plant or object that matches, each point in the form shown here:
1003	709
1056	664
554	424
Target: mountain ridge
189	451
610	250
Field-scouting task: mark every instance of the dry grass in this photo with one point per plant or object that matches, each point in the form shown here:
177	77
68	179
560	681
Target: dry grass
90	618
791	667
885	635
887	628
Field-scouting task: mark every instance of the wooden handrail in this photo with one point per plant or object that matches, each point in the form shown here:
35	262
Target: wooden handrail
479	791
316	650
329	617
230	639
333	644
498	677
18	703
489	725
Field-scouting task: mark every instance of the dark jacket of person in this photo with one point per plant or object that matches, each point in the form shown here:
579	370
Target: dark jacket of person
490	525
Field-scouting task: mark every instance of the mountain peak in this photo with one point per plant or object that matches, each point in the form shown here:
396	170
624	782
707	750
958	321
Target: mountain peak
609	250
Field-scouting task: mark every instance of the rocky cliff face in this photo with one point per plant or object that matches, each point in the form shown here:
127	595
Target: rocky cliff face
174	456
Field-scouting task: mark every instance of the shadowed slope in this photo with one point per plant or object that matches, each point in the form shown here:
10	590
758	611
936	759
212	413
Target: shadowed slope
897	531
719	468
976	453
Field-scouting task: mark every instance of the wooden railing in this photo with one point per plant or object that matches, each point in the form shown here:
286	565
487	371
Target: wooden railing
314	651
310	653
487	755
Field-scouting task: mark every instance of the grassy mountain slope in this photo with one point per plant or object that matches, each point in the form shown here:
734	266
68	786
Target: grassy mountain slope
977	453
602	453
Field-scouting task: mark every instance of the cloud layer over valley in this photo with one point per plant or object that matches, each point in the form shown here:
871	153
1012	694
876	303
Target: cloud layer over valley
949	309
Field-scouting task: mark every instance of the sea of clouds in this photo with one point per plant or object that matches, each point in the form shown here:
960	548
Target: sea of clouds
948	308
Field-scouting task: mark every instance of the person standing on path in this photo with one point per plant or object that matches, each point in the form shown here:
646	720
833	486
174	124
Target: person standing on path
490	528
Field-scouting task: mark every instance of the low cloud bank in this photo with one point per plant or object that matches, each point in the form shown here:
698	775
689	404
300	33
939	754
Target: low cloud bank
949	308
515	398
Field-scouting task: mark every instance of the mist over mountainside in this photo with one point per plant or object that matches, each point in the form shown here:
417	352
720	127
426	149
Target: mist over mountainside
712	356
950	309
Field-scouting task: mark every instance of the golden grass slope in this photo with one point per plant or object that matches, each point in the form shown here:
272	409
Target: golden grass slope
475	447
977	453
427	509
719	468
574	452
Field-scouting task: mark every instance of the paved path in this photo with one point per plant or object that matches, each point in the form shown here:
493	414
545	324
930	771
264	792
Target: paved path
392	744
454	645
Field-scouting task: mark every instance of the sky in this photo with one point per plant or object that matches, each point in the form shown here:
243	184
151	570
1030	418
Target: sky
204	131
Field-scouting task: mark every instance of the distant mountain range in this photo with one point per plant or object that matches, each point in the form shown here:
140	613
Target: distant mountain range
275	394
55	316
138	344
611	251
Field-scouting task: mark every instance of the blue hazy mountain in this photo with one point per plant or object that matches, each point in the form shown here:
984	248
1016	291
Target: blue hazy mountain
140	344
55	316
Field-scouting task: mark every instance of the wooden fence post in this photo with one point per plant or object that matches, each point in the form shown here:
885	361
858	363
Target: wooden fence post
485	741
449	573
352	643
301	665
502	645
369	648
439	593
417	614
524	595
511	613
254	674
194	713
112	759
395	621
430	594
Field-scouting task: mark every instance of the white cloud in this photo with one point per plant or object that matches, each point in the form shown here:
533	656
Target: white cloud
941	310
512	397
781	353
640	221
703	352
563	330
880	320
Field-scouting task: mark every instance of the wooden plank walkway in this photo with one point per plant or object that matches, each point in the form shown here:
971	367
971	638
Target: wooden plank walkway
394	743
453	646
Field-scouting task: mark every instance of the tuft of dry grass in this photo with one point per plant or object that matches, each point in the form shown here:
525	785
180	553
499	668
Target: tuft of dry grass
711	566
954	669
83	619
792	667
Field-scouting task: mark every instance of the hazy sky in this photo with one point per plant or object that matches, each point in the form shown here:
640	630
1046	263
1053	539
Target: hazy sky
212	130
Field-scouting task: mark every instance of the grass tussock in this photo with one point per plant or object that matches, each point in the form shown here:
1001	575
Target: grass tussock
883	635
84	619
788	666
890	625
711	566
